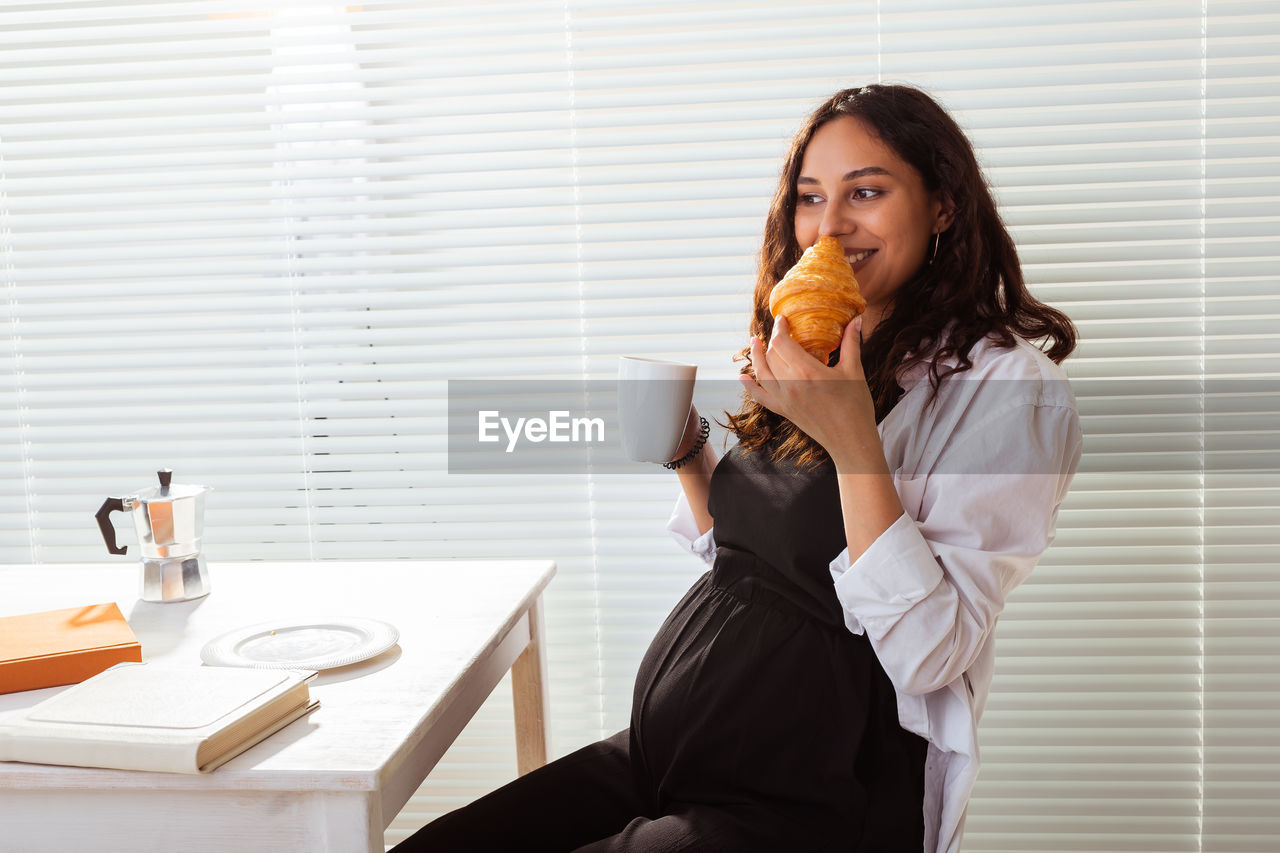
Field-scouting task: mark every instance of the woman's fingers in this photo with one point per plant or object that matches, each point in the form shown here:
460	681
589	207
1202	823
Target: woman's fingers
754	390
783	347
760	361
757	392
851	348
754	386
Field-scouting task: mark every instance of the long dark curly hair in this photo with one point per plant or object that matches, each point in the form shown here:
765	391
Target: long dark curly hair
972	287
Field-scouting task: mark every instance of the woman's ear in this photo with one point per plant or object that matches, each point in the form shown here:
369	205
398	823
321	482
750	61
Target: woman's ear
946	215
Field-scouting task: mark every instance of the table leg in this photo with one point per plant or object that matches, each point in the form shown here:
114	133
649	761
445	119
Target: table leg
348	821
528	686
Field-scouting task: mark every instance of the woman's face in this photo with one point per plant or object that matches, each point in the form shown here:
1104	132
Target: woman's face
854	187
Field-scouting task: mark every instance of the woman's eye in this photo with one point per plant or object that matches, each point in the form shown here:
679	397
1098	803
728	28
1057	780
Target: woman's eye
865	193
809	199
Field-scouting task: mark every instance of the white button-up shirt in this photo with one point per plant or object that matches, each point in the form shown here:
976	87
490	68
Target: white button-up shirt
981	474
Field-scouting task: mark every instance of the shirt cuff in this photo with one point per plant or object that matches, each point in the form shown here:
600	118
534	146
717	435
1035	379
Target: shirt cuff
896	572
684	529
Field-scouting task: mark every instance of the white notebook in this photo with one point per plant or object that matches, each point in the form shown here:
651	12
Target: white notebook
135	716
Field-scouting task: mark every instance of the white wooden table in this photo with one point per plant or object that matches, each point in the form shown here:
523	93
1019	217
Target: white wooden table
331	781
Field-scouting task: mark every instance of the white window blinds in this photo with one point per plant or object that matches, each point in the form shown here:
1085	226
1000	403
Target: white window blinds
252	241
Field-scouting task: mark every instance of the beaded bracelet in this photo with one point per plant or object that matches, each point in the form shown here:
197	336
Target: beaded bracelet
697	447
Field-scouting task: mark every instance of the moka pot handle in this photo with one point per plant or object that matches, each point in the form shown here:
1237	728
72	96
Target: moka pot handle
103	515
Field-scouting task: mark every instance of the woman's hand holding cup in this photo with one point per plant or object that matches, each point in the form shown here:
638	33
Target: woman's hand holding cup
692	432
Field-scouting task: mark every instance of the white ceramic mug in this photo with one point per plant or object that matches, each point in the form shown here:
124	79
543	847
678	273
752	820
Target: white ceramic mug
654	399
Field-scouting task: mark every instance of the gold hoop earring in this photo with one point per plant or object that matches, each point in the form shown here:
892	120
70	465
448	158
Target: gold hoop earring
937	238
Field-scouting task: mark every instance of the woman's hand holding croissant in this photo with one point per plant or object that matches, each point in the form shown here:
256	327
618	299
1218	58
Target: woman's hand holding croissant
832	405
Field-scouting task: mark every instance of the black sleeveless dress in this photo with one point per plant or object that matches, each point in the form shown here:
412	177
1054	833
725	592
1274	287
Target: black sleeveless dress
754	693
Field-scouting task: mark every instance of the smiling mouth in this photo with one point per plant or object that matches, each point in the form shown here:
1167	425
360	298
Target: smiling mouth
860	256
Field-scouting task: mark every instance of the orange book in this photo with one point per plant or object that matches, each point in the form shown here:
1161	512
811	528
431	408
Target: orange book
63	646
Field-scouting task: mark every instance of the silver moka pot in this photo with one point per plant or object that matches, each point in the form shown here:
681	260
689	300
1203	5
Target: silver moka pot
169	520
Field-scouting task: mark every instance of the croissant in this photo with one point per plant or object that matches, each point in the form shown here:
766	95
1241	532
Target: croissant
818	296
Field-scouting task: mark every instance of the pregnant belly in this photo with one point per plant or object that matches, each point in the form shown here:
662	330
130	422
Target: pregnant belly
735	695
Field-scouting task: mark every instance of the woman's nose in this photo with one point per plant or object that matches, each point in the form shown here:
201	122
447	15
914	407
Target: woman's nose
836	220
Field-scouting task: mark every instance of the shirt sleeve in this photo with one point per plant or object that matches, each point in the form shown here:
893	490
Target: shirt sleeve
684	528
929	589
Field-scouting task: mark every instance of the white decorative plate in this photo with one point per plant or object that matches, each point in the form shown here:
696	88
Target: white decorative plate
323	644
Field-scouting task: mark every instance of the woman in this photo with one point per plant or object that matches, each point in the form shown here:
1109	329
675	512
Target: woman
820	687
